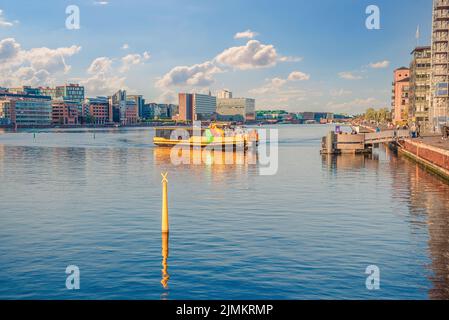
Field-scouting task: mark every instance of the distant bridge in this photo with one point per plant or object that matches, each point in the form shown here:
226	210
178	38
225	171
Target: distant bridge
359	143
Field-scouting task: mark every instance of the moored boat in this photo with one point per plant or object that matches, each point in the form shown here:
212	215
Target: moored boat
213	136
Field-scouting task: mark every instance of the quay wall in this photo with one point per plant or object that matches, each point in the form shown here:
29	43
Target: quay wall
433	158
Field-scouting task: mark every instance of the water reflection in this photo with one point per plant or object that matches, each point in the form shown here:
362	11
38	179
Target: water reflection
2	158
350	162
205	157
165	275
427	205
96	202
217	166
429	195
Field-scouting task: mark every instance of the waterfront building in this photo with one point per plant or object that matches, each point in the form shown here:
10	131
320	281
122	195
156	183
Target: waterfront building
148	110
25	90
71	92
317	117
185	107
119	101
65	112
195	106
98	110
236	109
224	94
48	91
419	95
400	95
439	106
204	106
131	112
270	114
26	109
140	102
173	109
7	116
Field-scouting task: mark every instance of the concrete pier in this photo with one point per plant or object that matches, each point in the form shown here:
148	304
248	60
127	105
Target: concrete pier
431	152
345	143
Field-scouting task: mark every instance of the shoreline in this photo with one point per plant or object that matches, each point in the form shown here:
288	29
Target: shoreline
433	158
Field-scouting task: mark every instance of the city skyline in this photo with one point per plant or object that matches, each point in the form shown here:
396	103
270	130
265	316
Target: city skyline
263	51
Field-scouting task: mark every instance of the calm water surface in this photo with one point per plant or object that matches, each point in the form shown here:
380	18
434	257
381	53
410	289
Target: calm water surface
308	232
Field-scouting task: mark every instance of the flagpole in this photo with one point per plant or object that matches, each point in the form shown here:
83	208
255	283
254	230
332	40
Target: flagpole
417	36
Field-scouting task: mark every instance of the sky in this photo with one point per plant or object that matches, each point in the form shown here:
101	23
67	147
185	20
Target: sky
296	55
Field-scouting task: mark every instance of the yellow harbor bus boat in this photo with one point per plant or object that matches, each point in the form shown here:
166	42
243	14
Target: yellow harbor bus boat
213	136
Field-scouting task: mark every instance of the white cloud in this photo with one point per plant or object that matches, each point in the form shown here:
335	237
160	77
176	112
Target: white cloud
275	84
290	59
289	98
168	97
100	65
250	56
380	64
125	46
103	84
102	78
9	49
52	60
199	75
340	93
349	76
133	59
298	76
33	66
248	34
253	55
5	23
354	106
101	3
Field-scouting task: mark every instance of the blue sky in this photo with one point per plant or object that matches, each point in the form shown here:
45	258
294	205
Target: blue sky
299	55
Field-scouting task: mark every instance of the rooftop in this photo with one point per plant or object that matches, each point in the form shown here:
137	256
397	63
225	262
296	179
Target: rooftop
421	48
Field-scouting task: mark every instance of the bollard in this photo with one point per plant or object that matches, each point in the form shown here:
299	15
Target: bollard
165	227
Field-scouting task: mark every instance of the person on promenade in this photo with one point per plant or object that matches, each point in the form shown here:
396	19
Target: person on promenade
445	131
413	131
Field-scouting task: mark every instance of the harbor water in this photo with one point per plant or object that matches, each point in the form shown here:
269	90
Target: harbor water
72	197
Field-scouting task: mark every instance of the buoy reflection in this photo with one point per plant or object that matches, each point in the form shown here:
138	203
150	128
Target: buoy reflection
165	275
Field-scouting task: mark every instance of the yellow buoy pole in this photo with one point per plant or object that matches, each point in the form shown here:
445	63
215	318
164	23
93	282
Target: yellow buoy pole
165	228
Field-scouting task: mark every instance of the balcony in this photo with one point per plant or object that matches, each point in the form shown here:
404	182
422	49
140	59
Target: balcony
440	48
441	4
441	37
441	15
440	26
